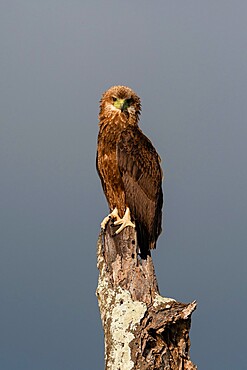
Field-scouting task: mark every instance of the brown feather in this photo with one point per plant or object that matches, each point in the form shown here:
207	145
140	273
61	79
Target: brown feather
139	165
129	166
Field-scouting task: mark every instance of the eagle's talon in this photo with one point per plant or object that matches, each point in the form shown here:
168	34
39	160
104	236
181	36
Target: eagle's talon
124	222
112	216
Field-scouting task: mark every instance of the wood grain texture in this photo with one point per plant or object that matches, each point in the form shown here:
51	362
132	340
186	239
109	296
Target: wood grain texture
142	329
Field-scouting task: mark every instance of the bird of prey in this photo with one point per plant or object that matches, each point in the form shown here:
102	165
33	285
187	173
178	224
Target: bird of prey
129	167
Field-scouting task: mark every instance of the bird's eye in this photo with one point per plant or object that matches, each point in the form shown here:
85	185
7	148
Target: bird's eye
114	98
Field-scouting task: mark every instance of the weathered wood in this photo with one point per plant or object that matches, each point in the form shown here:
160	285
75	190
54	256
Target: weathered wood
143	331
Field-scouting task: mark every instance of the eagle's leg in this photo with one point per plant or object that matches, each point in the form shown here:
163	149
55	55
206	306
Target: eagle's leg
125	221
113	214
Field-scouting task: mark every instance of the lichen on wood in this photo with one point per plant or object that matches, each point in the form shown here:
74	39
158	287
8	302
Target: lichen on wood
142	330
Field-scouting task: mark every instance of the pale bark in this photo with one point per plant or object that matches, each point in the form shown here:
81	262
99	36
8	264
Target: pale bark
142	330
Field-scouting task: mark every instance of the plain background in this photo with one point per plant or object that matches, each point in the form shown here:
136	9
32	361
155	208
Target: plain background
187	60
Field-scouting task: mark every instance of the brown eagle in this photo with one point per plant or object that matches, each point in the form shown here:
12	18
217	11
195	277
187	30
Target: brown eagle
129	167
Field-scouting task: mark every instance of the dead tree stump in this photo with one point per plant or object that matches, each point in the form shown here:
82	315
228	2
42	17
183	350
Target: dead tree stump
142	330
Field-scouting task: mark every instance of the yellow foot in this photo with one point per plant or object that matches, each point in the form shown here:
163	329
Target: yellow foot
113	214
124	222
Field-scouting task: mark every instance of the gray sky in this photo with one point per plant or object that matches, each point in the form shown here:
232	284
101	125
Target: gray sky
188	62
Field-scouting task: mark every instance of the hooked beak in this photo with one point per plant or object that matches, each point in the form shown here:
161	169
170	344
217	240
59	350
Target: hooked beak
124	106
121	104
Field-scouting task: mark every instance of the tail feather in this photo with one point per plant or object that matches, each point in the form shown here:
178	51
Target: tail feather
144	242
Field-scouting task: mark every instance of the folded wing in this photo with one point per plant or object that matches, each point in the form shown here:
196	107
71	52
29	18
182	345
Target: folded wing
139	165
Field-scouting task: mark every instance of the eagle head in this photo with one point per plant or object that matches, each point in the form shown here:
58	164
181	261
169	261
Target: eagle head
120	100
